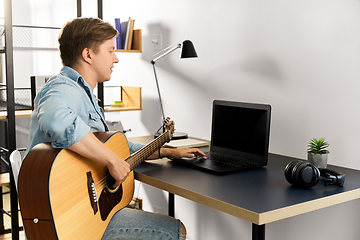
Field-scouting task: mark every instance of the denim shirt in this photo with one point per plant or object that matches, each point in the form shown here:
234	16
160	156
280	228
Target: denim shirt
65	110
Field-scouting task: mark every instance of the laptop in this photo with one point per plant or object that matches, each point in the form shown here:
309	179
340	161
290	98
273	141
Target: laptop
239	138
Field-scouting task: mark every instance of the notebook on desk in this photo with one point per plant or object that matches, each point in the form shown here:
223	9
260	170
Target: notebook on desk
239	138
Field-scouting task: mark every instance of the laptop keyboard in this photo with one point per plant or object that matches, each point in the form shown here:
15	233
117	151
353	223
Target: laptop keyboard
229	161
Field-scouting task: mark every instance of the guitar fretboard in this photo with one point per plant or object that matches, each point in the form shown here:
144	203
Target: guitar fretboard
146	151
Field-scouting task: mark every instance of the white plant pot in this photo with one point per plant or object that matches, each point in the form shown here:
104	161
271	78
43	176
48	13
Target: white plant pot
318	160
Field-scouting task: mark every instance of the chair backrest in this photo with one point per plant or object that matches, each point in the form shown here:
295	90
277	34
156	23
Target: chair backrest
15	161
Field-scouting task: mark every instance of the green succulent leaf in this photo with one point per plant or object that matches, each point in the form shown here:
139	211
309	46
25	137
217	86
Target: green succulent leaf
318	146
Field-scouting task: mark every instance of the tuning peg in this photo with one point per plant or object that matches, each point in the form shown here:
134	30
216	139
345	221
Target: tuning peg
166	120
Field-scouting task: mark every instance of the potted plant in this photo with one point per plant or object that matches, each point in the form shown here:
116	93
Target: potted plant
317	152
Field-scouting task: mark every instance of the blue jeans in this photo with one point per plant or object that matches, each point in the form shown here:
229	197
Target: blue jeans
129	224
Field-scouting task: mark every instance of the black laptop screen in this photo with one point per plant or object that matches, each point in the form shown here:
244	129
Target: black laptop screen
241	129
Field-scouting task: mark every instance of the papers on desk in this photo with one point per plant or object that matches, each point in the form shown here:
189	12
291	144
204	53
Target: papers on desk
186	143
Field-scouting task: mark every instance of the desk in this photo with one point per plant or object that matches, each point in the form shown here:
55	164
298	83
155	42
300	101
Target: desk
259	196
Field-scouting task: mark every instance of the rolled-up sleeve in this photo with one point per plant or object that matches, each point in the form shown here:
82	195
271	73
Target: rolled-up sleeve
59	118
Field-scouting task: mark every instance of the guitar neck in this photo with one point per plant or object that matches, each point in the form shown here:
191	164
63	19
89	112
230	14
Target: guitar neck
146	151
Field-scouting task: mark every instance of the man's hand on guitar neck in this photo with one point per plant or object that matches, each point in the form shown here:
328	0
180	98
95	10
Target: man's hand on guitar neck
92	148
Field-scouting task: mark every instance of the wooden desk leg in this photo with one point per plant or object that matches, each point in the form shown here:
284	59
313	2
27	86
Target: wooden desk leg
171	205
258	232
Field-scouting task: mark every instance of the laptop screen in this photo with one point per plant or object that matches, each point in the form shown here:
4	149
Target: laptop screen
241	129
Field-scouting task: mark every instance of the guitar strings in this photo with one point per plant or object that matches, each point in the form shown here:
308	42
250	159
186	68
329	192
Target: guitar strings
136	159
103	182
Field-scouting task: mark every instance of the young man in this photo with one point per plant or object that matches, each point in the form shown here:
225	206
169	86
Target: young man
66	113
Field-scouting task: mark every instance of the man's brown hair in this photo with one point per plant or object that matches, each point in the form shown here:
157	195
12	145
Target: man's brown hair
83	33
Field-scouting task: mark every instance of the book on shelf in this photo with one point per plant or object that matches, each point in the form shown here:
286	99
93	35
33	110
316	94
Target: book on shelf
118	41
123	33
117	104
126	33
131	33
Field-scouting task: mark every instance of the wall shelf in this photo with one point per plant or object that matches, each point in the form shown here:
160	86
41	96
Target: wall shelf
18	114
131	97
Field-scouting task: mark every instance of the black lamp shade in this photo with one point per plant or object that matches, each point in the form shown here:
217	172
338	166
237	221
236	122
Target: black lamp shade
188	50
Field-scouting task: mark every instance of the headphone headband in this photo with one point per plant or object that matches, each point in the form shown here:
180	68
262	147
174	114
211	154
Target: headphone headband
332	177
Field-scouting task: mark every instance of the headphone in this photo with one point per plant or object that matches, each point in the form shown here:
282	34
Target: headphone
302	174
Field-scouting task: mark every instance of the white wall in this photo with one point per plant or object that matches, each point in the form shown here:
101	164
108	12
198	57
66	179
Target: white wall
301	57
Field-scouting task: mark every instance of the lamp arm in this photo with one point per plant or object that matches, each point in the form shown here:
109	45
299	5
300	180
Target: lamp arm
158	89
166	53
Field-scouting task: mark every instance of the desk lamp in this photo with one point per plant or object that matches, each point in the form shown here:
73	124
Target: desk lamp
187	51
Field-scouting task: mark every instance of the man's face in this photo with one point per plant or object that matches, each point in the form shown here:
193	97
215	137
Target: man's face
103	60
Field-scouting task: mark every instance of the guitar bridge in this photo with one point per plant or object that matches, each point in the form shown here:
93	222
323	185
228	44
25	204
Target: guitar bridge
92	192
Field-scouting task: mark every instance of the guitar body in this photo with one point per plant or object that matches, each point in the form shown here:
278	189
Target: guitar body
56	192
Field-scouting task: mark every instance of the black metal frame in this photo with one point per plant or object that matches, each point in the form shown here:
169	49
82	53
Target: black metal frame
100	94
78	8
171	205
11	131
100	85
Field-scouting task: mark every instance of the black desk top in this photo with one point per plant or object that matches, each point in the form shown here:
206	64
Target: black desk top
260	196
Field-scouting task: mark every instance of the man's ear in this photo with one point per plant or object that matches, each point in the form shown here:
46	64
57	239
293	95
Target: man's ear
86	55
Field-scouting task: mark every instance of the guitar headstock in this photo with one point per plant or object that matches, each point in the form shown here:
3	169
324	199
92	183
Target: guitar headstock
170	127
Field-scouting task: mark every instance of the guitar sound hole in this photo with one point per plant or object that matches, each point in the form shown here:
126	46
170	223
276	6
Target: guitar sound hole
110	181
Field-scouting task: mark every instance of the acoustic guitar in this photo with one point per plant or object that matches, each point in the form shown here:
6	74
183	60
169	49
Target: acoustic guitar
65	196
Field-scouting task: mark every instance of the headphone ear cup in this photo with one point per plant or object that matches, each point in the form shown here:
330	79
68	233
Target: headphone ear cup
288	171
305	175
